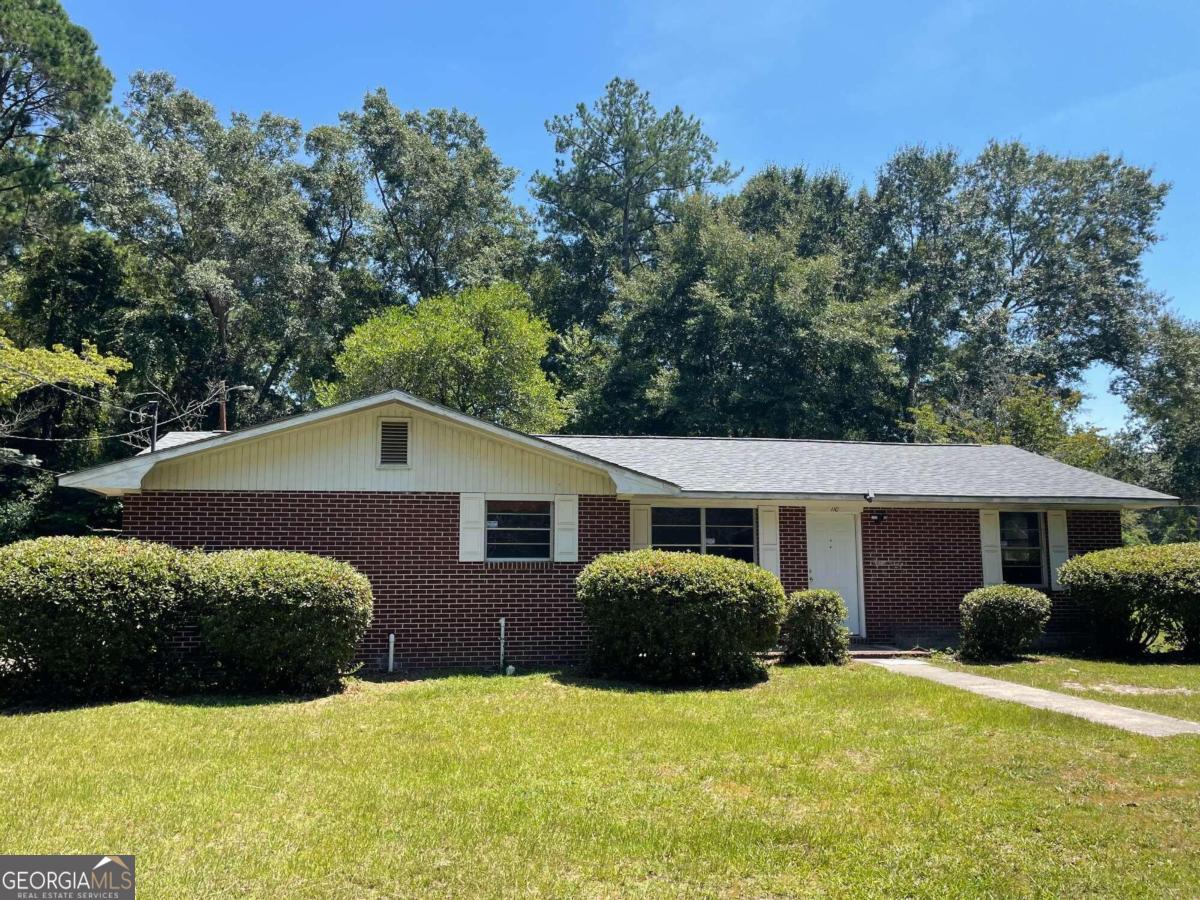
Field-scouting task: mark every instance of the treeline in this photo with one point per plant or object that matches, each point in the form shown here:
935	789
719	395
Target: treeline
652	288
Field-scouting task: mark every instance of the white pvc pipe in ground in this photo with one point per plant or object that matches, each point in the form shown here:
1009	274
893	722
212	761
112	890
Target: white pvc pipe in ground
392	652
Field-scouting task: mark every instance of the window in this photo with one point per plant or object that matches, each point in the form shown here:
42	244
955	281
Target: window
393	442
721	531
518	530
1023	548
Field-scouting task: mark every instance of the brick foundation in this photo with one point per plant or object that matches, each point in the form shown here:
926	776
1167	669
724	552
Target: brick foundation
443	612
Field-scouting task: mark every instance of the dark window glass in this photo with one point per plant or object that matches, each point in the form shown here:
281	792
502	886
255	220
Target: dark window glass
518	529
1022	548
720	530
722	516
671	515
746	554
675	528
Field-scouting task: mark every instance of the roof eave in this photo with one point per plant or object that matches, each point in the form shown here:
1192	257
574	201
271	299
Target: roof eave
928	499
124	476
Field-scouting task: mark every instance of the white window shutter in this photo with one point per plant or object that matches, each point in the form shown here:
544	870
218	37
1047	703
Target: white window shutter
768	538
566	527
1056	530
472	527
989	538
639	527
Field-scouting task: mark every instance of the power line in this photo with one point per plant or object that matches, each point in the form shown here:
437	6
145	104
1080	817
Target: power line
67	390
98	437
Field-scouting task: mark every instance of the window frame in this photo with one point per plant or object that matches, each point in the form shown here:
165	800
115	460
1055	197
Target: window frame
379	423
703	526
1043	548
489	499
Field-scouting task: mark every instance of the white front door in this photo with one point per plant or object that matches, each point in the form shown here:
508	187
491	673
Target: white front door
833	559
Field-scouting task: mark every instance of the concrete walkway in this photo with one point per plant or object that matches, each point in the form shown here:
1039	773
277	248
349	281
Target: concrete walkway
1136	720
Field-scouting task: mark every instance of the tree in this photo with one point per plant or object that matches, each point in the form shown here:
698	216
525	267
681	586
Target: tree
1016	264
1162	389
620	172
1053	257
1026	415
51	80
22	370
918	236
445	218
216	212
734	334
479	352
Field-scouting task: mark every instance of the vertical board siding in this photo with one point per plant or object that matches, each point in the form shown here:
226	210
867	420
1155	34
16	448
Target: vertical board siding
343	455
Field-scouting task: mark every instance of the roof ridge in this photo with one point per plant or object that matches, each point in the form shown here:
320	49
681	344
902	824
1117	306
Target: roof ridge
778	440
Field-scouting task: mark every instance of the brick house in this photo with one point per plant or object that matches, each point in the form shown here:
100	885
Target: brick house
459	522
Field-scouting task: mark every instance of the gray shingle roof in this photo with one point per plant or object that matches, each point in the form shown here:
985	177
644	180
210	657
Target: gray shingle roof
179	438
851	469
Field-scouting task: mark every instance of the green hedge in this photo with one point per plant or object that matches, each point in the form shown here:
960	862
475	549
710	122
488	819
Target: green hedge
813	633
85	618
1002	621
680	618
95	618
276	621
1135	594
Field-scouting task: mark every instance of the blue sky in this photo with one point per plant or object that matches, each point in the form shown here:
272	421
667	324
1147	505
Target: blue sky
824	84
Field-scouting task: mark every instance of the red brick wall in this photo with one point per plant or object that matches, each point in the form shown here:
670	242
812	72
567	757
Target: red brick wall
793	548
1087	530
917	565
444	612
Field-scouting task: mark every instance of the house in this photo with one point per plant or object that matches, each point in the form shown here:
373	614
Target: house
459	522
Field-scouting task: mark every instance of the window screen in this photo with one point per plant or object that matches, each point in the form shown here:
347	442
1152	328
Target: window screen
518	529
393	443
719	531
1023	548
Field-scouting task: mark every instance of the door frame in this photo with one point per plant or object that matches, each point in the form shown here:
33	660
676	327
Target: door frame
856	520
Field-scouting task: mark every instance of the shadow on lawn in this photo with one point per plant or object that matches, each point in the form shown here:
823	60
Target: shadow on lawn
581	679
32	706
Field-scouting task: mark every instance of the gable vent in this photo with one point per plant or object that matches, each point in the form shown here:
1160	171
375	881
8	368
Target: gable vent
393	443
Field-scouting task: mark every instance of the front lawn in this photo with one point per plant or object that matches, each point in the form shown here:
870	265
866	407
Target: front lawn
1160	682
846	781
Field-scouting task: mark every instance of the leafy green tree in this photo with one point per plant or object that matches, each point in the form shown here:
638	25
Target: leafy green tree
620	172
1026	415
445	219
479	352
734	334
918	241
22	369
1162	388
51	79
1054	249
215	210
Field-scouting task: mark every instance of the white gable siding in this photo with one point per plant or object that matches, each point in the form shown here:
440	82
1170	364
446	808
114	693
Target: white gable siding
342	454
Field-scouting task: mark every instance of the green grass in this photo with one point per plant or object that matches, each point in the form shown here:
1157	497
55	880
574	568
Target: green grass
1160	682
850	782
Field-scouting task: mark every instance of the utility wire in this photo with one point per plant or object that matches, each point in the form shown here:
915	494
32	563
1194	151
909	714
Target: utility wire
97	437
67	390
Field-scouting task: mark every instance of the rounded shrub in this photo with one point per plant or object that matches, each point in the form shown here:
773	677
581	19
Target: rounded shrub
1002	621
84	618
1135	594
680	618
813	631
278	621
